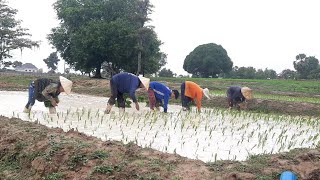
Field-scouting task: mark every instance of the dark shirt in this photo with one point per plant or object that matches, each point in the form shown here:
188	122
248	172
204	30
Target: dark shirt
127	83
234	94
46	89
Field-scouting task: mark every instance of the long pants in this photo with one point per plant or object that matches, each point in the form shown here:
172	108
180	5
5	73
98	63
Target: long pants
116	94
153	100
185	100
31	98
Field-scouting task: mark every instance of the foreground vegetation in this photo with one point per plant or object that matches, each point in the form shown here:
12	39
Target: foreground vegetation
33	151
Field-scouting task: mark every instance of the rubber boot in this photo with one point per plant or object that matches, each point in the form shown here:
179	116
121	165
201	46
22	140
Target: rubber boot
52	110
27	110
108	109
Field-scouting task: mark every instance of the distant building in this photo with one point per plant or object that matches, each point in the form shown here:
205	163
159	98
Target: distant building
27	67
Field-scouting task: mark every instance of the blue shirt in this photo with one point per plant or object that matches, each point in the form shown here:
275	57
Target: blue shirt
127	83
161	92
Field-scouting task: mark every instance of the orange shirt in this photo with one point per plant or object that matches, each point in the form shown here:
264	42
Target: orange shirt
194	91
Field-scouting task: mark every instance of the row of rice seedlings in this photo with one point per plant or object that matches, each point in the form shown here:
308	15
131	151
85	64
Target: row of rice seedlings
265	132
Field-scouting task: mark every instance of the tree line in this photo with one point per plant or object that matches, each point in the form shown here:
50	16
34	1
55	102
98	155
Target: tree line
212	60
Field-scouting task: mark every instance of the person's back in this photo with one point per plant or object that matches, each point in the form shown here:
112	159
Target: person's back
41	84
126	82
160	90
47	91
234	93
193	90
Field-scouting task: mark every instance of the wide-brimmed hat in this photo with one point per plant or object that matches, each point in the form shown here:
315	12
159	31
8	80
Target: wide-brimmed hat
206	92
247	92
144	81
66	84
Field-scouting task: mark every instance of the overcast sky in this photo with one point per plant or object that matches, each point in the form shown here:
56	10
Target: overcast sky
258	33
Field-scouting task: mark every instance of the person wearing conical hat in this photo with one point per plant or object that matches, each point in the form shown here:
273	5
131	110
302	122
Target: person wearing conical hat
191	91
47	91
125	83
238	96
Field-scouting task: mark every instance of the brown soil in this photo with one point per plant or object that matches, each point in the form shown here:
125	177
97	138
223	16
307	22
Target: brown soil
32	151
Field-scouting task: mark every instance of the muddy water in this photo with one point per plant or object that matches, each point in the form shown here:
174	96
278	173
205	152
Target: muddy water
211	135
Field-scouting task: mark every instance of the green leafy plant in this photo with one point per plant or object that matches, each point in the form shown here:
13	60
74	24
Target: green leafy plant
55	176
99	155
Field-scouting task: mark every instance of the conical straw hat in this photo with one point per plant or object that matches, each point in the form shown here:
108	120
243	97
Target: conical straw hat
247	92
145	82
206	92
66	84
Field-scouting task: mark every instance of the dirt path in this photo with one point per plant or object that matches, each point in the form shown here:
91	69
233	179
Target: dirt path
32	151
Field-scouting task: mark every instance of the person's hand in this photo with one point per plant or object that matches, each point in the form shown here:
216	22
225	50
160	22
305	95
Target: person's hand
137	106
53	103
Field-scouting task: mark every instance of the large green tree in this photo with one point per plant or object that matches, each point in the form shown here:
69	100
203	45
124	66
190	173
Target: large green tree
52	61
208	60
96	32
314	74
12	35
288	74
246	73
165	73
305	65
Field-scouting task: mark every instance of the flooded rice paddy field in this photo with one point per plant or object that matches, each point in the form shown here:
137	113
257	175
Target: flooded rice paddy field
213	134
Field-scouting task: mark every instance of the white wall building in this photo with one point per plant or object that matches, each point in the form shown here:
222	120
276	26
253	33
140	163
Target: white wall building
27	67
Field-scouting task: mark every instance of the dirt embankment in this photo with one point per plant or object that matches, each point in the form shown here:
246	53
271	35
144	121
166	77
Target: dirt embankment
32	151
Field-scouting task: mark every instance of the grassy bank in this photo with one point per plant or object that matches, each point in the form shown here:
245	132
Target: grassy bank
271	96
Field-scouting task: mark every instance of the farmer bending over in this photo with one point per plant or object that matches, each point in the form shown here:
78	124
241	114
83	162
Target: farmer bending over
191	91
237	97
47	91
158	92
125	83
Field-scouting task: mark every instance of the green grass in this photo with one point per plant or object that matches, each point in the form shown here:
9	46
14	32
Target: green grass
301	86
276	97
99	155
103	169
55	176
77	160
